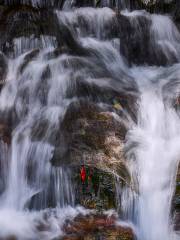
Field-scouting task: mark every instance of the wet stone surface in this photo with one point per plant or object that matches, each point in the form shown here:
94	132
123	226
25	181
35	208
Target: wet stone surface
176	203
95	227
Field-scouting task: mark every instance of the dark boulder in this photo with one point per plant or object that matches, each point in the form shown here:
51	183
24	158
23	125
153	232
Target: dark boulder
3	69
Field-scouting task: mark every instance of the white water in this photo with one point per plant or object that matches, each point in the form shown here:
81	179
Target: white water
158	157
26	168
37	97
24	225
154	166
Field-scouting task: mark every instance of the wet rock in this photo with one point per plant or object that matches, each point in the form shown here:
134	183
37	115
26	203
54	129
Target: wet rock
176	14
93	137
139	50
92	226
36	4
124	94
3	69
10	22
5	133
177	221
34	24
82	3
96	191
10	238
139	45
132	36
176	203
36	31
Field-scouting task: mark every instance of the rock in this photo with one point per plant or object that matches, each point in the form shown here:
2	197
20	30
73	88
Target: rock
5	133
34	24
97	191
94	138
155	2
176	203
9	238
139	45
177	221
90	226
3	69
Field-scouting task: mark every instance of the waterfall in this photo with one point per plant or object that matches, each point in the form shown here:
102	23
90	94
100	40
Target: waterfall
153	162
64	191
29	143
89	52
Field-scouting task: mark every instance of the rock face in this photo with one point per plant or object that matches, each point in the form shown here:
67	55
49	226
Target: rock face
95	141
94	138
97	190
92	226
5	133
97	133
138	43
3	68
176	202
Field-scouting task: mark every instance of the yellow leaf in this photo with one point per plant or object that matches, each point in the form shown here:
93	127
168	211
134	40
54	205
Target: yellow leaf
117	106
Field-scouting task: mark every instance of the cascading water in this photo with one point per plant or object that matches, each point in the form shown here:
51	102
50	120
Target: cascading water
26	153
42	82
153	163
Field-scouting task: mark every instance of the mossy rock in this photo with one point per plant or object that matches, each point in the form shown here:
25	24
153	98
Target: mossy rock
94	226
97	191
